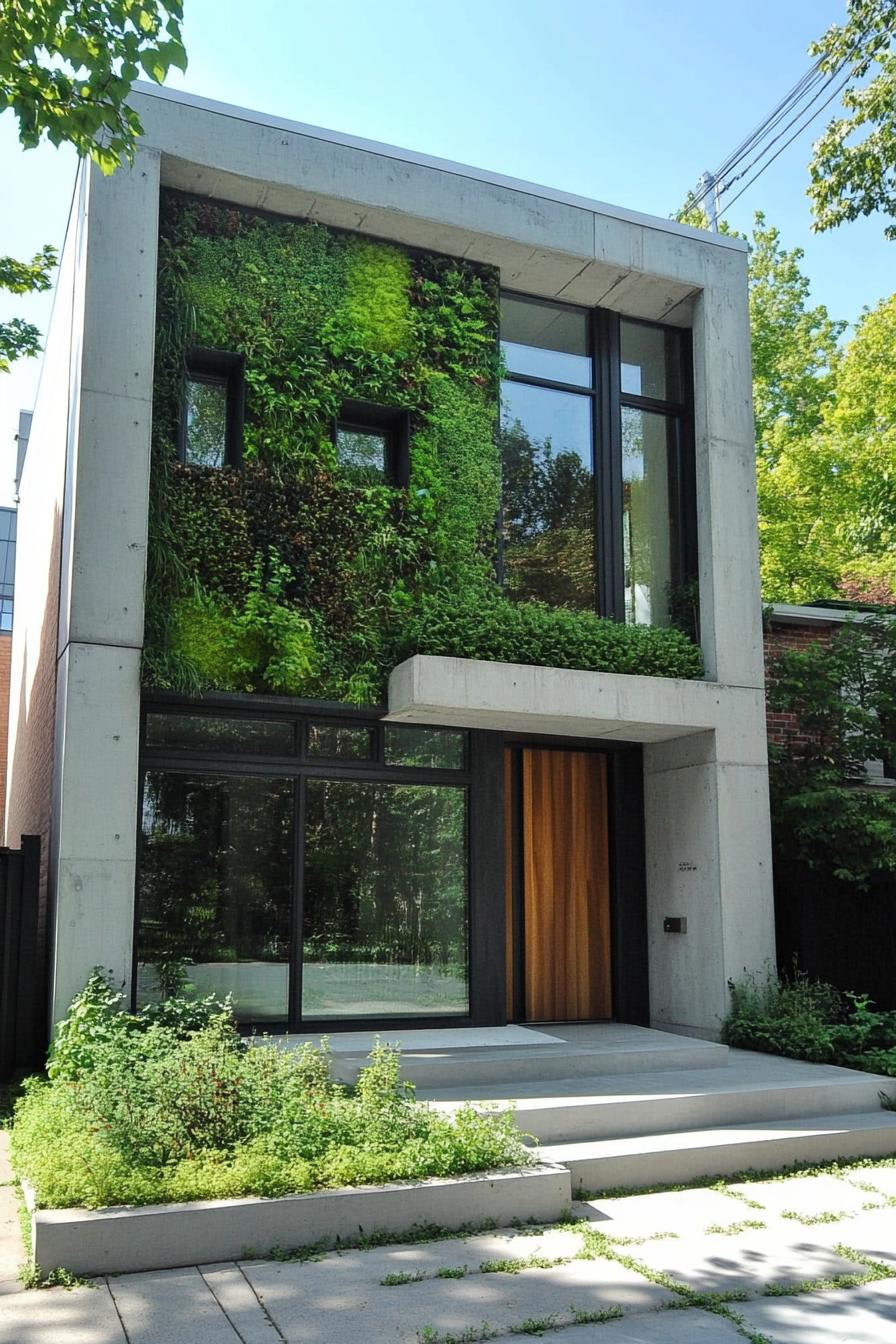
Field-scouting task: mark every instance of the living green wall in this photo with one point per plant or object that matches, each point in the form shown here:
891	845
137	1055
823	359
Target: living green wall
286	576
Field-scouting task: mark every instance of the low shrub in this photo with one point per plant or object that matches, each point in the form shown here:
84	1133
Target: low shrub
480	624
808	1019
172	1104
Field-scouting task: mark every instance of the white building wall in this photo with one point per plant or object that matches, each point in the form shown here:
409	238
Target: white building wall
100	631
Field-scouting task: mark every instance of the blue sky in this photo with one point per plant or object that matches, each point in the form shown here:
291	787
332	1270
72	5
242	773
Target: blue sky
625	102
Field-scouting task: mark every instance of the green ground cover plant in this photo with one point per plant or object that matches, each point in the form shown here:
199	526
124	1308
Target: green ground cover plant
290	575
171	1104
808	1019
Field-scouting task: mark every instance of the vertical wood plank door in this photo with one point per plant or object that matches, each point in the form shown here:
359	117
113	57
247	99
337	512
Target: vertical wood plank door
566	886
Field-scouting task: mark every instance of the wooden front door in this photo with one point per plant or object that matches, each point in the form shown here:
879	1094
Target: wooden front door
561	917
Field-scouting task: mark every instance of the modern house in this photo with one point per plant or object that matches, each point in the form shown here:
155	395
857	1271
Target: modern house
388	644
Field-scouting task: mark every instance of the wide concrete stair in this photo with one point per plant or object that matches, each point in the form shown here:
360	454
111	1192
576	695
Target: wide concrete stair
669	1110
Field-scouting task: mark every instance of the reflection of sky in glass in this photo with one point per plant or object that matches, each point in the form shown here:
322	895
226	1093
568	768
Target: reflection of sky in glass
554	364
631	379
562	417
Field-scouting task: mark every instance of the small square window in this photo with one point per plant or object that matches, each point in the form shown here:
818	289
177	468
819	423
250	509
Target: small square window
363	454
205	431
212	418
372	444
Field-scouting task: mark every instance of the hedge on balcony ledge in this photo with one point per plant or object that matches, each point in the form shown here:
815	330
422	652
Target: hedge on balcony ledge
491	628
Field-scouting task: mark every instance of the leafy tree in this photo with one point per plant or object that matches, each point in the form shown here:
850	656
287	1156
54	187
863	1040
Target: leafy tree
794	345
843	698
66	70
853	167
18	338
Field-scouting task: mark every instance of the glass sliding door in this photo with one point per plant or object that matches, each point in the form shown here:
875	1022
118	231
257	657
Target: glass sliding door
314	869
385	900
215	890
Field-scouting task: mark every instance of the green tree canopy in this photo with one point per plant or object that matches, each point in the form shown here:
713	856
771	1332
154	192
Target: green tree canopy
853	167
66	70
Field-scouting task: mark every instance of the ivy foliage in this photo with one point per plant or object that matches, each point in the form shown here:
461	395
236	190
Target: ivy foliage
842	696
288	575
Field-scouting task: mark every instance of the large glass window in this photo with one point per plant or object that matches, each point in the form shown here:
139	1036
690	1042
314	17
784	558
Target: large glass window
598	500
329	882
648	522
215	889
385	900
547	450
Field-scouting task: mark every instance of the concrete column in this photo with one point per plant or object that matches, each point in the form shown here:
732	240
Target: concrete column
93	853
708	861
728	537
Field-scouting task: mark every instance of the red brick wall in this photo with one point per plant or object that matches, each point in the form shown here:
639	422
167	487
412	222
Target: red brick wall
5	666
785	727
29	770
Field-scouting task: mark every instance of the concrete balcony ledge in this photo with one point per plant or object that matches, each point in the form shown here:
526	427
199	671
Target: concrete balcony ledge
517	697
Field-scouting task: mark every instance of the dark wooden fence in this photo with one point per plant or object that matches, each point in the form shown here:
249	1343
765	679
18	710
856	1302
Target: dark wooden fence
23	961
836	933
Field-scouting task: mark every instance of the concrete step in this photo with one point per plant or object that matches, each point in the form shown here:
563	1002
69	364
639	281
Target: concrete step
598	1053
580	1109
643	1160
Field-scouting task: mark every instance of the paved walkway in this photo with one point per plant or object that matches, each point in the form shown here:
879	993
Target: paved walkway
802	1260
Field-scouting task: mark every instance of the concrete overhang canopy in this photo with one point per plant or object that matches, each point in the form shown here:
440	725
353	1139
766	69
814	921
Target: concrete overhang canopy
516	697
544	242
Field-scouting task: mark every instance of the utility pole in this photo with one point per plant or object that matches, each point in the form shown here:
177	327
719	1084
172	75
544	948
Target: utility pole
709	188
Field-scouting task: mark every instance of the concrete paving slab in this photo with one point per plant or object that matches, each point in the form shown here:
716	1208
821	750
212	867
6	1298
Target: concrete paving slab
428	1257
870	1234
748	1261
319	1304
810	1196
12	1252
857	1316
154	1308
61	1316
240	1305
883	1179
661	1327
682	1211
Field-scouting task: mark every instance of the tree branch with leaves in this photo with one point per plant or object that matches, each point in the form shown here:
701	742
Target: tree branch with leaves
67	68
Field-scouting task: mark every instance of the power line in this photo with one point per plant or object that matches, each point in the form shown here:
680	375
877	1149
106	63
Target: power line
799	129
799	101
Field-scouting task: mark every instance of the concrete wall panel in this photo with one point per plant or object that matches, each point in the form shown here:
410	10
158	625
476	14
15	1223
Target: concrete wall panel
94	849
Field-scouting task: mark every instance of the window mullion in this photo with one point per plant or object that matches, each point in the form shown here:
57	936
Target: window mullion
608	467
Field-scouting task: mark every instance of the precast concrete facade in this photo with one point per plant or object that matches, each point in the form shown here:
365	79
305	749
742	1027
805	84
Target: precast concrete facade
85	494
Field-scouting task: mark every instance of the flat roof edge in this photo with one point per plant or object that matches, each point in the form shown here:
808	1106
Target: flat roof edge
443	165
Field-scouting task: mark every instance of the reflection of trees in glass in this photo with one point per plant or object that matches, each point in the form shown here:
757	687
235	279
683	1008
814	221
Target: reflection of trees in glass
646	522
215	871
386	874
430	748
206	422
362	456
548	515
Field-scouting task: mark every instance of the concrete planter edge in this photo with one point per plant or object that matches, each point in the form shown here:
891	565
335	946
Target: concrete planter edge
126	1239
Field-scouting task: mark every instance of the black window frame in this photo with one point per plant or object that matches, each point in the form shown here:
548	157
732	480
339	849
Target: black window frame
389	422
476	779
607	403
224	368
